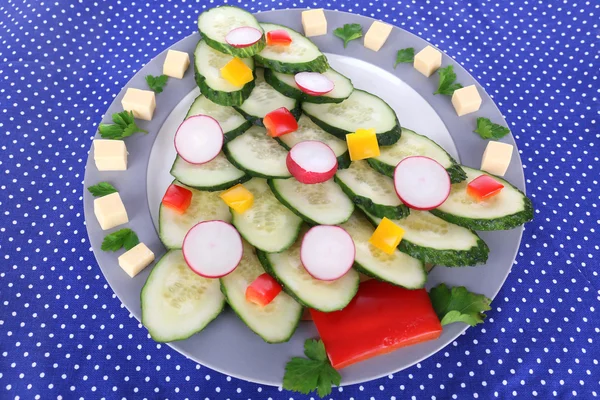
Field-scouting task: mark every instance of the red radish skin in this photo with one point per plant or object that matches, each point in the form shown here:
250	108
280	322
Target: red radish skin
244	36
314	83
312	162
327	252
421	183
209	243
199	139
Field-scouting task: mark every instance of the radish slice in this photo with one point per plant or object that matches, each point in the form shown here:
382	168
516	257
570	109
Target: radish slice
212	249
313	83
243	37
327	252
312	162
199	139
421	182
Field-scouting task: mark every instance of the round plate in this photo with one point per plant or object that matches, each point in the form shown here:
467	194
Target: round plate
227	345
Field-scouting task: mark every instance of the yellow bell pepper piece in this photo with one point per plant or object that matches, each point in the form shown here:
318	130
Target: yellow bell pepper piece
238	198
387	236
362	144
236	72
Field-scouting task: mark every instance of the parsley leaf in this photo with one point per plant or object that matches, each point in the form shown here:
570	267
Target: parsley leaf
348	32
124	125
122	238
489	130
156	83
458	305
102	189
447	85
315	372
405	56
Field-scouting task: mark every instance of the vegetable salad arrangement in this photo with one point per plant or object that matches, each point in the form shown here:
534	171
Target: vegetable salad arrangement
295	191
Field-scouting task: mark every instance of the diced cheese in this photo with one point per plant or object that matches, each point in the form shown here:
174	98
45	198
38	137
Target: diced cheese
136	259
466	100
427	61
387	236
496	158
377	35
237	73
314	22
176	63
362	144
110	155
141	102
238	198
110	211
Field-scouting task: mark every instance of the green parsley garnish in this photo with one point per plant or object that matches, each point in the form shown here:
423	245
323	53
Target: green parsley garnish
102	189
348	32
156	83
122	238
458	305
405	56
124	126
489	130
447	85
315	372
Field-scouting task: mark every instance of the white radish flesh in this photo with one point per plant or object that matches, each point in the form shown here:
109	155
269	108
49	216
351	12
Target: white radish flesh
421	182
327	252
243	37
199	139
312	162
313	83
212	249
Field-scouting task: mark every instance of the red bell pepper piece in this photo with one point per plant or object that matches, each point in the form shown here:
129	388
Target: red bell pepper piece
177	198
263	290
381	318
278	37
484	187
279	122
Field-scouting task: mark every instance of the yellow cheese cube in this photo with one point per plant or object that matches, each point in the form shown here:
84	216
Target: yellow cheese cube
362	144
136	259
176	63
237	73
387	236
466	100
110	155
314	22
141	102
110	211
496	158
377	35
238	198
427	61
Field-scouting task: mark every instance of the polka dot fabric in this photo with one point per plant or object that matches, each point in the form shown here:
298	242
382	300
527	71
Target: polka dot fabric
64	334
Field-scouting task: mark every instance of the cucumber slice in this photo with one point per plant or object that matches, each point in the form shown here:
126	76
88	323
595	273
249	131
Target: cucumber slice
205	206
301	55
207	64
507	210
371	190
308	130
176	302
218	174
435	241
286	85
275	322
360	110
319	204
397	268
324	296
268	224
258	154
413	144
214	24
265	99
232	123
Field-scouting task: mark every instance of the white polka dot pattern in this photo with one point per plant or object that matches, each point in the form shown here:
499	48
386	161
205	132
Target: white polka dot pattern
64	334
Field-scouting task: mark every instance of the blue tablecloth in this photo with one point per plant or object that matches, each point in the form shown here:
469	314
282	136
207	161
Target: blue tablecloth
64	334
